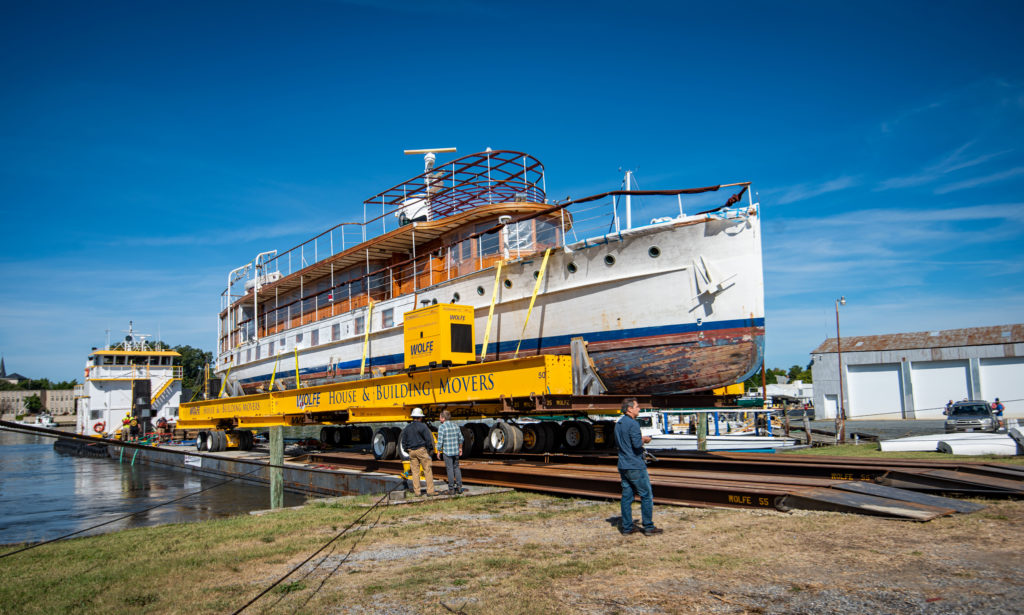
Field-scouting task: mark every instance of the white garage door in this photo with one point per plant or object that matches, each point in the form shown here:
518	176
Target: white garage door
935	383
1004	378
875	391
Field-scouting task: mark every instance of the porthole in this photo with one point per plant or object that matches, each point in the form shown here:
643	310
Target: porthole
571	267
654	252
508	283
609	260
536	274
480	290
455	298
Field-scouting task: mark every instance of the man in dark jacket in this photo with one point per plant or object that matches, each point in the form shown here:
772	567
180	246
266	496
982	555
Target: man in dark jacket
633	471
418	442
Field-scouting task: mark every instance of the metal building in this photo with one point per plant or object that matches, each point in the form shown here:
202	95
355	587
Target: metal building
914	375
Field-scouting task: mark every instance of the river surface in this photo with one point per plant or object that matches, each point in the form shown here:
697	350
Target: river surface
44	495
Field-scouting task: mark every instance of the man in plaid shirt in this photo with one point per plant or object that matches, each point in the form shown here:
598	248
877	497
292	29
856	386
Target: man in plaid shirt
449	443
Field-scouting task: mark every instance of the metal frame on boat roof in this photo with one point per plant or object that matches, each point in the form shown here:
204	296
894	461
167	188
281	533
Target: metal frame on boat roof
492	176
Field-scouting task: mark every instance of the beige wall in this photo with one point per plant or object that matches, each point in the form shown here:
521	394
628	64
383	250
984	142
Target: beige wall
56	402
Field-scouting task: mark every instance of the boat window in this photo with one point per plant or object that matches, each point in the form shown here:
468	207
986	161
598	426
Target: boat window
248	354
488	242
645	421
335	332
314	337
547	233
298	338
258	352
270	349
360	325
520	236
387	318
120	360
108	360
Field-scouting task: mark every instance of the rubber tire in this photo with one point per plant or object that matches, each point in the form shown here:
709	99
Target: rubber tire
468	440
222	441
326	437
503	438
402	453
383	444
588	433
573	436
365	434
345	435
517	439
553	443
535	438
201	440
247	440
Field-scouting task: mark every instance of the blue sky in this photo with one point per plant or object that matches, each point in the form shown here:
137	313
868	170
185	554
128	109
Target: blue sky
147	148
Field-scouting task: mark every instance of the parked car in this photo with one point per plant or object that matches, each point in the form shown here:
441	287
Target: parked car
973	415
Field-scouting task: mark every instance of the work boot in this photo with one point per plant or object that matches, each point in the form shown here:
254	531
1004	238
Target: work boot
632	530
651	531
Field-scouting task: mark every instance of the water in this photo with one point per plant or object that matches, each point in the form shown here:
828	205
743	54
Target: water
44	495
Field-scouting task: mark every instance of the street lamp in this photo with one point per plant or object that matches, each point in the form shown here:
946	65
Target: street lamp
841	415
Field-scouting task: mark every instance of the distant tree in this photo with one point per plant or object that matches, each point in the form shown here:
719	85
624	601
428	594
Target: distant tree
33	405
193	363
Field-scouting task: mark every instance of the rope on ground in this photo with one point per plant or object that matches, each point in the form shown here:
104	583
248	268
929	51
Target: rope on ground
376	505
132	514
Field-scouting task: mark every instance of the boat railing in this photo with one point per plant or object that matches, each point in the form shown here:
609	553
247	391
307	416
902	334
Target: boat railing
452	188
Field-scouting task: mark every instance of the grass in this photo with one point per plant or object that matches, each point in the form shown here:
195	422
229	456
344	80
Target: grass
511	553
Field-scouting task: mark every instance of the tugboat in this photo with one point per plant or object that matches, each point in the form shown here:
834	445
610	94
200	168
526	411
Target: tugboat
132	379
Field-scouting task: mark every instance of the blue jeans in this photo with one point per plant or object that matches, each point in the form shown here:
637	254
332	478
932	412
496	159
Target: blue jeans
636	483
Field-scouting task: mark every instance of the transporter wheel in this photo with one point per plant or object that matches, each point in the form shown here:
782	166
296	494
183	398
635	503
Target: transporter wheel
365	433
535	438
220	441
552	442
574	436
402	453
588	434
345	435
468	440
210	443
503	438
480	442
517	439
201	438
383	444
326	435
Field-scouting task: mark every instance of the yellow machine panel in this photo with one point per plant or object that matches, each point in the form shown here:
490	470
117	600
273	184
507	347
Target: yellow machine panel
439	335
388	398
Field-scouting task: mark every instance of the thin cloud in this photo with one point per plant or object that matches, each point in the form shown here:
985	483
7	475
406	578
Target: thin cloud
953	162
802	192
980	181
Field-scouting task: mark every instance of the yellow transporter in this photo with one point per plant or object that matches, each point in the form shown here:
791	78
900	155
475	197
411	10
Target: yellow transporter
467	390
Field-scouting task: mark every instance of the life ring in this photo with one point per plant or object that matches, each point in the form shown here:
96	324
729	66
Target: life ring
99	427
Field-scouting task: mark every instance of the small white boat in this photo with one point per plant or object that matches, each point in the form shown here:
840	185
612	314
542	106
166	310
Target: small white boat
738	442
666	429
990	444
43	420
954	442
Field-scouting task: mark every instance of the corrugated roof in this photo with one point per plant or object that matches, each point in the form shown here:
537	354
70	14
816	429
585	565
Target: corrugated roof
973	336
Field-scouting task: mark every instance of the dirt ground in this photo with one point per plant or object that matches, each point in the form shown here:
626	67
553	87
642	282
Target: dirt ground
525	553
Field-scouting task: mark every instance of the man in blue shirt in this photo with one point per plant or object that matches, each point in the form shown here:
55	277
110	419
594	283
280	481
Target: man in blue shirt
633	471
449	444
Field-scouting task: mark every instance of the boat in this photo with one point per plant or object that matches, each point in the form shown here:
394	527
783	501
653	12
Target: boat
954	443
673	305
674	431
44	421
131	378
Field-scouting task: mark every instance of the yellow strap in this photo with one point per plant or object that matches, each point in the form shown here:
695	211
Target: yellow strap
224	383
366	338
298	382
273	374
490	312
536	289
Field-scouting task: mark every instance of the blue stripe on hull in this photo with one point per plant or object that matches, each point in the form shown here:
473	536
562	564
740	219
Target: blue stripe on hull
541	344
